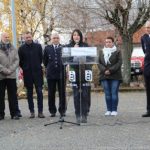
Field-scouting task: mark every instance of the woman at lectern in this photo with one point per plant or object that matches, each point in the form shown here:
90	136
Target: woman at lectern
110	62
81	100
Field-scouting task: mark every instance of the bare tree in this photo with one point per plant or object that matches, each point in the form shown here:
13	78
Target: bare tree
128	16
36	16
73	15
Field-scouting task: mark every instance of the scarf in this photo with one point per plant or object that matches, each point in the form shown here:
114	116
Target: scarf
5	47
107	53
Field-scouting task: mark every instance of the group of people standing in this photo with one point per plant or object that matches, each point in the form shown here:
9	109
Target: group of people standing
30	58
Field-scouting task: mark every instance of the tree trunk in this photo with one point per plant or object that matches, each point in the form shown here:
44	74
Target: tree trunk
127	47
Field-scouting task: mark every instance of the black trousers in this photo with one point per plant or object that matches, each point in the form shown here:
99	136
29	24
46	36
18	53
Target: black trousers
82	102
39	98
10	85
89	98
147	84
60	84
17	108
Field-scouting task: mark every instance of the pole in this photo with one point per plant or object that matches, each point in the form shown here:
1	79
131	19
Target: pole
13	24
14	29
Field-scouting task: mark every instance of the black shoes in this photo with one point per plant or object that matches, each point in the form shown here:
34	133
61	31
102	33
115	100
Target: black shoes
12	117
15	117
19	114
63	115
78	119
32	116
81	120
84	119
147	114
40	115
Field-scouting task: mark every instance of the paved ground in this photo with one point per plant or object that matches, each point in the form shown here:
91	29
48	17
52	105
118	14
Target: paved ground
127	131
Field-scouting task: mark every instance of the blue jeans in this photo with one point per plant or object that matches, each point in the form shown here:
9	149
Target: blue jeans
111	88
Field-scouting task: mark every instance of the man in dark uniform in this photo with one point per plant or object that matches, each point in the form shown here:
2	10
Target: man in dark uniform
30	55
55	74
145	41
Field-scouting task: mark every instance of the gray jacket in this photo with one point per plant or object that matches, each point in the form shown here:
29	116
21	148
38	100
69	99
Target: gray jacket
8	62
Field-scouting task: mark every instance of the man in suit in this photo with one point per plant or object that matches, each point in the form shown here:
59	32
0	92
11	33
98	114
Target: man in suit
145	41
55	74
30	55
9	62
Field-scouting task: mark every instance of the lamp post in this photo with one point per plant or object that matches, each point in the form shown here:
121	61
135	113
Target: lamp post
13	23
14	29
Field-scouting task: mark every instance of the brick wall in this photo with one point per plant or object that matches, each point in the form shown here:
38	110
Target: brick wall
97	38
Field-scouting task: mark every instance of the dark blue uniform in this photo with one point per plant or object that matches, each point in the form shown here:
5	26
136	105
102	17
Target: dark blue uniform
55	74
30	61
145	41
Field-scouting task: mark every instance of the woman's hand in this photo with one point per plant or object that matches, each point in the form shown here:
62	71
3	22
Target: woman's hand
107	72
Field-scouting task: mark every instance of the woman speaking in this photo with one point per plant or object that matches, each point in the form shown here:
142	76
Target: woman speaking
81	100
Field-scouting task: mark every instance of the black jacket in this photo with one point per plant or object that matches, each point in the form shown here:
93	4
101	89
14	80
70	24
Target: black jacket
31	63
53	62
114	67
145	41
83	67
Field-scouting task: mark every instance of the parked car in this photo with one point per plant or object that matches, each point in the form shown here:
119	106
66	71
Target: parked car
137	61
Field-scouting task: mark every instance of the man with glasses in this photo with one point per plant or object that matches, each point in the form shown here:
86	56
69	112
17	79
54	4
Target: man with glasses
55	75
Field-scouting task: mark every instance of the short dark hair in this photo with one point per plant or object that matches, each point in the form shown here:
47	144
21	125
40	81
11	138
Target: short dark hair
80	34
110	38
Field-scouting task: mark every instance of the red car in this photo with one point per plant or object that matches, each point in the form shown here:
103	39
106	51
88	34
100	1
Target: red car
137	61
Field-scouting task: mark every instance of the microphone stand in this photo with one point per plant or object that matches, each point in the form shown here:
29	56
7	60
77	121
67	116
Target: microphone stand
80	88
62	78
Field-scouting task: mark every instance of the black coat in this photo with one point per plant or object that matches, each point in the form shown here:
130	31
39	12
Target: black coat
145	41
114	66
53	62
83	67
31	63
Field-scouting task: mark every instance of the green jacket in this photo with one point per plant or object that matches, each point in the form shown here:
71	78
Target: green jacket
114	66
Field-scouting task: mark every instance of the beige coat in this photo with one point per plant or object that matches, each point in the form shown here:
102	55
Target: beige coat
10	62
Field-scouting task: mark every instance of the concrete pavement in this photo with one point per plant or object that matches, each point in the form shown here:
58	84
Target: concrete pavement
127	131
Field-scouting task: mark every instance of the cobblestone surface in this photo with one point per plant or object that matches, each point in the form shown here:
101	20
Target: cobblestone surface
127	131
